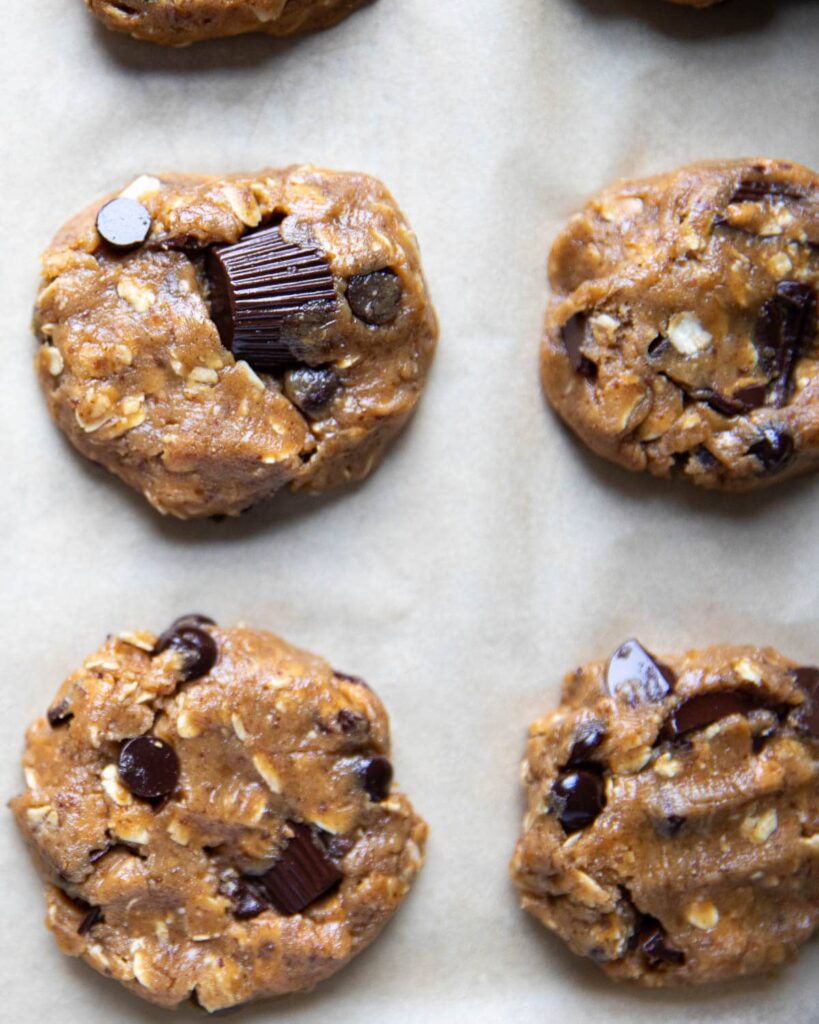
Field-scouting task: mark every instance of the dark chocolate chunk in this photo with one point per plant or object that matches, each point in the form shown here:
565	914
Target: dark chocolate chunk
807	716
149	767
742	400
574	334
60	714
376	778
578	797
311	389
637	674
92	917
375	298
303	873
196	647
775	450
589	737
760	739
348	721
657	347
705	457
752	190
652	941
258	285
339	846
785	325
123	223
247	896
707	708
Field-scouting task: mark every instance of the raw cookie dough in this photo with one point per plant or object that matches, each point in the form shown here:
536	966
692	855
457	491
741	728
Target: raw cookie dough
133	367
213	815
180	22
672	832
681	335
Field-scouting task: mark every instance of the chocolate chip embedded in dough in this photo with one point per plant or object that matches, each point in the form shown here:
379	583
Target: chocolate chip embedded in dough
574	334
302	874
376	777
652	941
742	400
634	672
578	797
60	714
311	389
123	223
786	323
92	917
197	648
707	708
669	826
149	767
247	896
807	716
258	285
375	298
775	450
588	739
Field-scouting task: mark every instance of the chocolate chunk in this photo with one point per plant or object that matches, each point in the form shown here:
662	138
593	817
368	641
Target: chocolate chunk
339	846
348	721
247	895
92	917
588	739
149	767
257	286
807	716
302	874
657	347
60	714
578	797
637	674
786	323
123	223
376	778
752	190
775	450
196	648
707	708
574	334
705	458
311	390
742	400
652	941
375	298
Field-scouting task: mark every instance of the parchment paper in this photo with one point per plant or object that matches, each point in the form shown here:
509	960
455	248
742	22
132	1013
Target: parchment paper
490	553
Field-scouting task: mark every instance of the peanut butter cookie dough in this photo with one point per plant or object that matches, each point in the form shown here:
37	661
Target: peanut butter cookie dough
681	338
672	832
212	811
212	340
180	22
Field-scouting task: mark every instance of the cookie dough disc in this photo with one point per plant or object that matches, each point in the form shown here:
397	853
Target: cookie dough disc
672	832
312	277
180	22
213	815
681	337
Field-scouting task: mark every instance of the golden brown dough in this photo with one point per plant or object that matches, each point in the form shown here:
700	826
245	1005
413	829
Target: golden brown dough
681	336
253	850
672	831
135	372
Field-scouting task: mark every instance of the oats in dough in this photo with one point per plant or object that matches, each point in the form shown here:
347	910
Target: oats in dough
673	814
213	813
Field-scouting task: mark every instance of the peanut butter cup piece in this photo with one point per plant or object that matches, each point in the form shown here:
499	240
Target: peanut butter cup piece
303	873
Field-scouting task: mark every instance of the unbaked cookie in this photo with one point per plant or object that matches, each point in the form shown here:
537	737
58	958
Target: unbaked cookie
681	338
214	816
180	22
212	340
672	832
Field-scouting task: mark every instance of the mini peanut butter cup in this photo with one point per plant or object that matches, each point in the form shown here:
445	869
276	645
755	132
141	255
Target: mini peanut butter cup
257	285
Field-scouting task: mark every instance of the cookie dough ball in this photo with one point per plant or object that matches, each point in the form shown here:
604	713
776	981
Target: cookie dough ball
213	814
681	338
672	832
180	22
212	340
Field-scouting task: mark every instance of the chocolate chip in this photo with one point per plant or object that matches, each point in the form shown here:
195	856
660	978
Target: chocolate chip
637	674
302	874
376	778
705	458
578	797
149	767
658	346
60	714
247	895
375	298
775	450
349	721
752	190
259	287
652	941
574	334
707	708
197	649
123	223
589	737
742	400
807	716
92	917
785	324
339	846
311	390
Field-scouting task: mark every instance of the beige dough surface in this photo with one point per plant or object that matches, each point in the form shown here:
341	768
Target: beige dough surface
269	737
681	335
702	864
180	22
134	372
